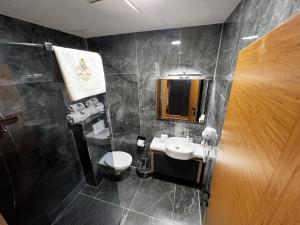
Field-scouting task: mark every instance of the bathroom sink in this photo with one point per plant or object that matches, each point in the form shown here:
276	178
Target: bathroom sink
179	148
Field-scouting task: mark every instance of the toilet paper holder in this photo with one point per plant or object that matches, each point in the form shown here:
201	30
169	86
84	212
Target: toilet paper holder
141	142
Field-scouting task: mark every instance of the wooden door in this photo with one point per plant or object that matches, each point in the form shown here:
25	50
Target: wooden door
256	179
2	220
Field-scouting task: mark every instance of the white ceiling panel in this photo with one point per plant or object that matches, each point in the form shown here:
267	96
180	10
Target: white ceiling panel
108	17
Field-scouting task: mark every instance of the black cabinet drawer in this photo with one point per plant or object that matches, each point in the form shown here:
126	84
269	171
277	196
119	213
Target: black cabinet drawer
183	169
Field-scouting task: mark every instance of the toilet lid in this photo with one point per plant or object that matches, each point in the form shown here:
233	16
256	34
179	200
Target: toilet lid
118	159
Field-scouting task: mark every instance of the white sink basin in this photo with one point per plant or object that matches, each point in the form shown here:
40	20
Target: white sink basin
179	148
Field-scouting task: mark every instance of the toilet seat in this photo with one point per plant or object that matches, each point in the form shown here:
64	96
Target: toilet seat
118	160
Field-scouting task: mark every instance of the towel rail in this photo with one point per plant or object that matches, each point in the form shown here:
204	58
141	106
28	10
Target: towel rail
46	45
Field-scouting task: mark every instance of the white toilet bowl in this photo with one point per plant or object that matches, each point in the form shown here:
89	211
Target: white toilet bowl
117	160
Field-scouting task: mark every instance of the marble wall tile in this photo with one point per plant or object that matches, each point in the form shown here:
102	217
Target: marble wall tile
39	34
147	101
15	30
195	130
155	51
151	127
230	36
219	96
123	103
118	53
93	44
199	48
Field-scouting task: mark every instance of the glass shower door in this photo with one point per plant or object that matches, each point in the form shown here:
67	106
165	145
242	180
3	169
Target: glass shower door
7	192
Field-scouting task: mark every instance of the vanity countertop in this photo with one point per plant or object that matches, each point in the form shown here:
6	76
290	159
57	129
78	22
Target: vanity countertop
158	144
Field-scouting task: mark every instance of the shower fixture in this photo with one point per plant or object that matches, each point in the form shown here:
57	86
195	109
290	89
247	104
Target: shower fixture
46	45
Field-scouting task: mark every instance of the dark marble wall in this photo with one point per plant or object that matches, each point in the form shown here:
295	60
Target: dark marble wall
251	17
133	61
40	153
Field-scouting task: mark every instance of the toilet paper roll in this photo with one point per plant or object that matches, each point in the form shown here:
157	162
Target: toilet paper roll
141	143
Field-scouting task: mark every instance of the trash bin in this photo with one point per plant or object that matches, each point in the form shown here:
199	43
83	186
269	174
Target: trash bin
143	170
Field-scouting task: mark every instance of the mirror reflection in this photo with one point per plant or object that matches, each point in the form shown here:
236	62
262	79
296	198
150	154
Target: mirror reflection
182	99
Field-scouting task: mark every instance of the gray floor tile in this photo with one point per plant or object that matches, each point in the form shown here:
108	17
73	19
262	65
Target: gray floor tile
186	206
151	202
134	218
90	190
117	192
155	198
86	210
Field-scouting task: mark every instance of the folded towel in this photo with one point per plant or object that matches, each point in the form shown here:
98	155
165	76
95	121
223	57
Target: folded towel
76	107
78	117
94	105
92	102
96	109
82	72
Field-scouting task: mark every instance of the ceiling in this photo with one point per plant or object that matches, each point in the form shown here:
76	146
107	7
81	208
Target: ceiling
115	16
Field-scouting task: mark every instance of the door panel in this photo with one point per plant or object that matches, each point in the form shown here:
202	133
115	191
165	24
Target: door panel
256	175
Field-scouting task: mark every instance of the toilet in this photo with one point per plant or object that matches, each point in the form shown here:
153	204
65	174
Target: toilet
117	160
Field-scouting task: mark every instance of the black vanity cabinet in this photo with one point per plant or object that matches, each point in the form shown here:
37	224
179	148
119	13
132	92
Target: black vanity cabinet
189	170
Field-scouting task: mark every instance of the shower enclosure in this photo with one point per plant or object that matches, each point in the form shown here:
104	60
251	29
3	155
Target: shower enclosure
40	172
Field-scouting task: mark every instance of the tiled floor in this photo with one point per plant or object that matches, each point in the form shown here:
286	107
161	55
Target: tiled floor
134	201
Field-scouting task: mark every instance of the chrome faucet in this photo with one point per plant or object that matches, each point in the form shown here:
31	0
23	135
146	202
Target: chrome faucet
187	135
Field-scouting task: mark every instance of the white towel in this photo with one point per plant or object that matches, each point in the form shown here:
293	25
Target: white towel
76	107
96	109
82	72
92	102
77	117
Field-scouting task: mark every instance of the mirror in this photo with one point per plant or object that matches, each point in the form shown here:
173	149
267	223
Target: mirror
182	99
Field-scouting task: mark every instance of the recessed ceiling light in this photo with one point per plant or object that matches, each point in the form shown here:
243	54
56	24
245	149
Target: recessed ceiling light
177	42
250	37
132	5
